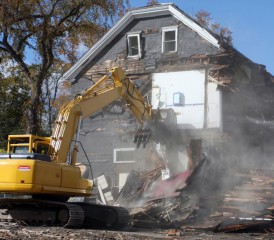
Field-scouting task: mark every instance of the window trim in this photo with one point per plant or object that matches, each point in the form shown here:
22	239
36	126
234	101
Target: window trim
115	150
168	29
138	35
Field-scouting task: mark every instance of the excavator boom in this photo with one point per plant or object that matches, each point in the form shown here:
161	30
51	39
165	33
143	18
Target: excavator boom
104	92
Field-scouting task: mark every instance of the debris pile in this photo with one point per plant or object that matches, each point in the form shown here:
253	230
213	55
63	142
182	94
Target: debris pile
210	197
157	201
249	205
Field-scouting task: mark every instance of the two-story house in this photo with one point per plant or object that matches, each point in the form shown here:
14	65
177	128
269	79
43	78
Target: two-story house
220	97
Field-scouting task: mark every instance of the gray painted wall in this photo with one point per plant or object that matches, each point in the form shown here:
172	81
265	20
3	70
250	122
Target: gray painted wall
189	42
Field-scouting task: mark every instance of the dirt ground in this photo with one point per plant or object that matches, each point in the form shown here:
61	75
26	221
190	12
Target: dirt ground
15	231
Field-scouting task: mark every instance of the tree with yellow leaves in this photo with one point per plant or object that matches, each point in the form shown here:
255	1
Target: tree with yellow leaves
43	32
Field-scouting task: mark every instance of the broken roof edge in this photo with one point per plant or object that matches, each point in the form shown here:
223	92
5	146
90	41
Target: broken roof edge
149	11
260	67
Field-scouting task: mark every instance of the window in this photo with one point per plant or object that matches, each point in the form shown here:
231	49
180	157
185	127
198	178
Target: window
21	149
124	155
178	99
169	39
134	46
42	148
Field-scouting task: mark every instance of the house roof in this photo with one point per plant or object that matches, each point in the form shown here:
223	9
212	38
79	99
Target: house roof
144	12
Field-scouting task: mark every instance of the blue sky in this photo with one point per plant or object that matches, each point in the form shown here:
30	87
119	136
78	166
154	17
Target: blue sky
251	23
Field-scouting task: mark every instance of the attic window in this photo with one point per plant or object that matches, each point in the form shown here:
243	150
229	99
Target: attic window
169	39
134	46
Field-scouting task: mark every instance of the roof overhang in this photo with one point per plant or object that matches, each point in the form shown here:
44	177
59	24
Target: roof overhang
152	11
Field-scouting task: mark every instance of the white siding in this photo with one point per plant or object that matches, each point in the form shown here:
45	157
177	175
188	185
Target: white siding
191	84
214	109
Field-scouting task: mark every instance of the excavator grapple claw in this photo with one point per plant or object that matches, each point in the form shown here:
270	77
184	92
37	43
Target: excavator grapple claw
142	136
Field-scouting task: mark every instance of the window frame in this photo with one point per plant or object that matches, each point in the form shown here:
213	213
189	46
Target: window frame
169	29
115	150
138	35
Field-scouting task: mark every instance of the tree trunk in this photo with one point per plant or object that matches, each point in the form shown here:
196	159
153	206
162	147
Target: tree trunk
34	109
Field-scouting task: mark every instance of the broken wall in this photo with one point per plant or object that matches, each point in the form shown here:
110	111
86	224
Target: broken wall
247	115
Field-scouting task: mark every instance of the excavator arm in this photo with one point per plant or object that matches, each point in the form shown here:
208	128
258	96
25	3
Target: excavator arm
105	91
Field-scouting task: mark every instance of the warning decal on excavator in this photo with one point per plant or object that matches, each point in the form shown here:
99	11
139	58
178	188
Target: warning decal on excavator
23	168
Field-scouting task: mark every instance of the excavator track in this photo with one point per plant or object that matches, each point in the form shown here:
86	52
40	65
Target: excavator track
102	216
76	216
37	212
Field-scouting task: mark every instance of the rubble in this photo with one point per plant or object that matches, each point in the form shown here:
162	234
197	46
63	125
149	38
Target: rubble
249	204
15	231
211	197
174	232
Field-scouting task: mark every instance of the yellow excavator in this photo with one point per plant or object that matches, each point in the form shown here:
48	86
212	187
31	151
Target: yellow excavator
44	171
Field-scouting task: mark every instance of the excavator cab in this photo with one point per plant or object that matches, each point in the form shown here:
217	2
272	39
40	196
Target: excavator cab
20	144
27	147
